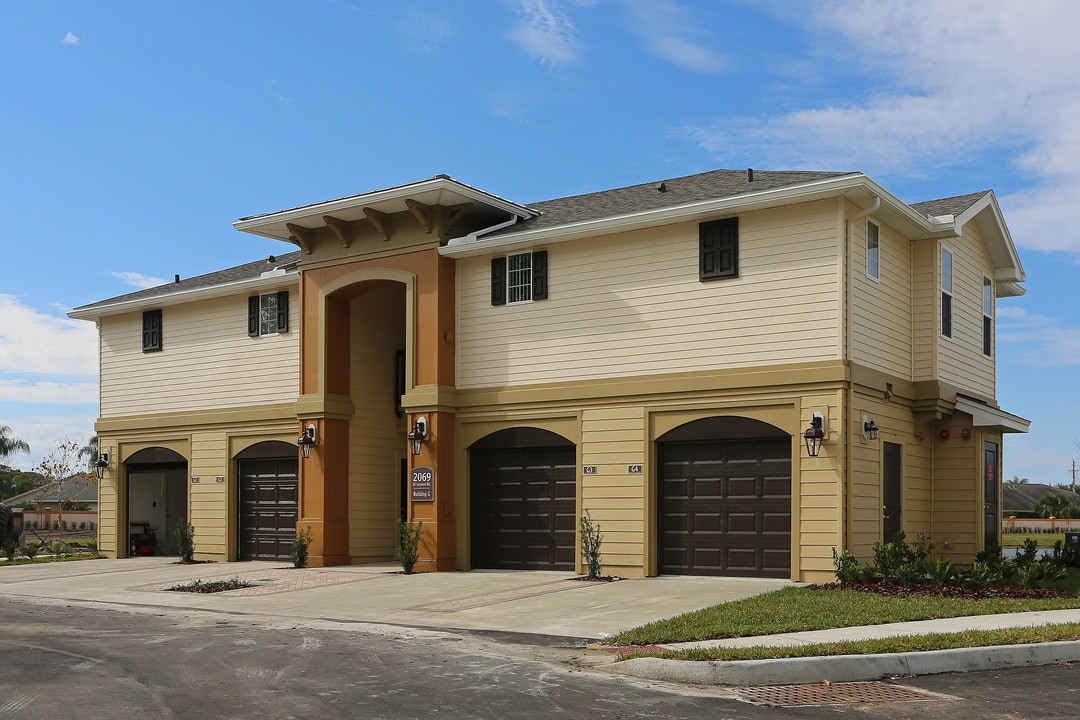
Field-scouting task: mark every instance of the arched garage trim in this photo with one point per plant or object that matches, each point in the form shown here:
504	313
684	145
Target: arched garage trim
523	500
724	492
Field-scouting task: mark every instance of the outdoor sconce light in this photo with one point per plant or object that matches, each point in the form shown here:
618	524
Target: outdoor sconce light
814	434
100	464
869	429
306	441
417	435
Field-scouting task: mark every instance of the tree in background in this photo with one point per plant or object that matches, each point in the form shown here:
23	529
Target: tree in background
63	470
13	482
1055	505
9	444
1017	480
88	453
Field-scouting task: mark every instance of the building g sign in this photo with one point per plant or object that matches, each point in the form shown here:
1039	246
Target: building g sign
422	484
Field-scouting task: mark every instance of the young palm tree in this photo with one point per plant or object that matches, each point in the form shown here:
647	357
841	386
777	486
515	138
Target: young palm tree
10	444
89	452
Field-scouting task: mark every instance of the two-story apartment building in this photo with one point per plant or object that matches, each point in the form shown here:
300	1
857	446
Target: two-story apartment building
655	355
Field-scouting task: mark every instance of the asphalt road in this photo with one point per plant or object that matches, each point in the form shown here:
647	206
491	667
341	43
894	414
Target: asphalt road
70	660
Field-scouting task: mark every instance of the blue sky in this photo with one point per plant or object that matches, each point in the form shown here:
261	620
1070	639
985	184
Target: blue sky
132	135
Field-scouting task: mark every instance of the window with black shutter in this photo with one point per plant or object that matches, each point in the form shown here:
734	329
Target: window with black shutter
718	249
519	278
151	331
268	314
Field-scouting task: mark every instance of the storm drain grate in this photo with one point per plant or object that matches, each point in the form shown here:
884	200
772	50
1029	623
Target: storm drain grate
833	694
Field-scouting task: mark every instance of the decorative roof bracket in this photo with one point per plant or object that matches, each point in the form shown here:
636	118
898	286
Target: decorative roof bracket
340	228
302	236
380	220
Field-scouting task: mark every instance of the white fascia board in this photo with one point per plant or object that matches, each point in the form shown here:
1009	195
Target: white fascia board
401	192
253	285
992	417
468	247
999	240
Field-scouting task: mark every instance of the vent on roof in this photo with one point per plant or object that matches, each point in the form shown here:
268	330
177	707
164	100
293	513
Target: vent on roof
749	175
176	278
271	259
662	187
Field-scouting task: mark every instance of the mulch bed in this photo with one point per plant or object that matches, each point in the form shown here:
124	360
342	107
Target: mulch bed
894	589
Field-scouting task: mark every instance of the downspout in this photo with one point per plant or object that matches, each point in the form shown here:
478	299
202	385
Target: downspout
475	236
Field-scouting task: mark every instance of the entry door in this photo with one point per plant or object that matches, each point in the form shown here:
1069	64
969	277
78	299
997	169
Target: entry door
991	492
891	491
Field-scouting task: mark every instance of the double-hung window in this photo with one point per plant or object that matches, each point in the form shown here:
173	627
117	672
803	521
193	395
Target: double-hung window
873	251
946	292
268	314
988	316
519	278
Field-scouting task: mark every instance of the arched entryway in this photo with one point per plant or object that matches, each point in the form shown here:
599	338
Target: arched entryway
523	500
267	500
724	499
156	500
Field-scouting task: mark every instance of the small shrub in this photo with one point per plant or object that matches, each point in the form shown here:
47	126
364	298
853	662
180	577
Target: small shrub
408	549
91	545
91	525
590	545
185	540
60	548
8	549
848	570
82	525
30	550
941	572
299	550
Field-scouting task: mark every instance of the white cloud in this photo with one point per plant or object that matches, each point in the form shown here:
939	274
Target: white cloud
71	39
671	33
138	279
64	393
44	433
1039	341
546	32
32	341
951	79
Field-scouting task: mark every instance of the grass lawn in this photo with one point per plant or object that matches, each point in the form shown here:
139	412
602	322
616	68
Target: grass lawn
796	609
1045	540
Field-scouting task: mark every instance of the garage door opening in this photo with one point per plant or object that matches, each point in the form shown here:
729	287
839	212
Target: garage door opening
268	502
523	500
156	501
724	505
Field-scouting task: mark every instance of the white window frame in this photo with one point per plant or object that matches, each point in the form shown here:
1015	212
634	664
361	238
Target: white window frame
873	250
268	314
945	282
519	278
988	316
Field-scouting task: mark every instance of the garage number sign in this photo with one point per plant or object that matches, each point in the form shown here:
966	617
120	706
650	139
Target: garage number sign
422	484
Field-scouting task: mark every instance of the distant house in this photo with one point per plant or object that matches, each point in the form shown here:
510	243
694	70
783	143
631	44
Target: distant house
1019	499
656	355
49	496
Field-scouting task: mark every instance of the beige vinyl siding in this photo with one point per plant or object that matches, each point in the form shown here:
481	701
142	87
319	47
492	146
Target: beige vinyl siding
881	310
817	495
957	495
960	359
611	440
208	500
376	434
925	309
630	304
207	361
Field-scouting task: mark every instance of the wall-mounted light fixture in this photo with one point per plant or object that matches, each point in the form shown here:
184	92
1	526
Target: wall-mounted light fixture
100	464
306	441
417	435
815	434
869	429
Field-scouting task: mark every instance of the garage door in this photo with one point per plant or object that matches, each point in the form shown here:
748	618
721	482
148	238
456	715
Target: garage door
523	508
725	508
268	508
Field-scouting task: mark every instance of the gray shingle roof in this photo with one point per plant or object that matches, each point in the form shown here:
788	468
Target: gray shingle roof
948	206
247	271
75	492
648	196
1016	497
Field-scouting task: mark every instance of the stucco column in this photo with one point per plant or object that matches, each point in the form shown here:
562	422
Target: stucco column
438	541
324	494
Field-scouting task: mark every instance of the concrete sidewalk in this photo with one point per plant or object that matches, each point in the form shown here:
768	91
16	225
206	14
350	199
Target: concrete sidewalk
525	607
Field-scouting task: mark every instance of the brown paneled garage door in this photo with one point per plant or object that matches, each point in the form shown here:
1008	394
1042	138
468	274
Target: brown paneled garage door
268	508
725	508
523	508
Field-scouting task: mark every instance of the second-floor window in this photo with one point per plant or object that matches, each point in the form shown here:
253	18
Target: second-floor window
519	278
873	252
718	249
946	292
151	331
988	316
268	314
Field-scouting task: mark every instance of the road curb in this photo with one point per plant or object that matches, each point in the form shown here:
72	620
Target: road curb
848	668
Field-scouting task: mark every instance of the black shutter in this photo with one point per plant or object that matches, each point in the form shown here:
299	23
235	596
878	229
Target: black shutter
719	249
253	316
539	275
151	331
283	311
498	281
